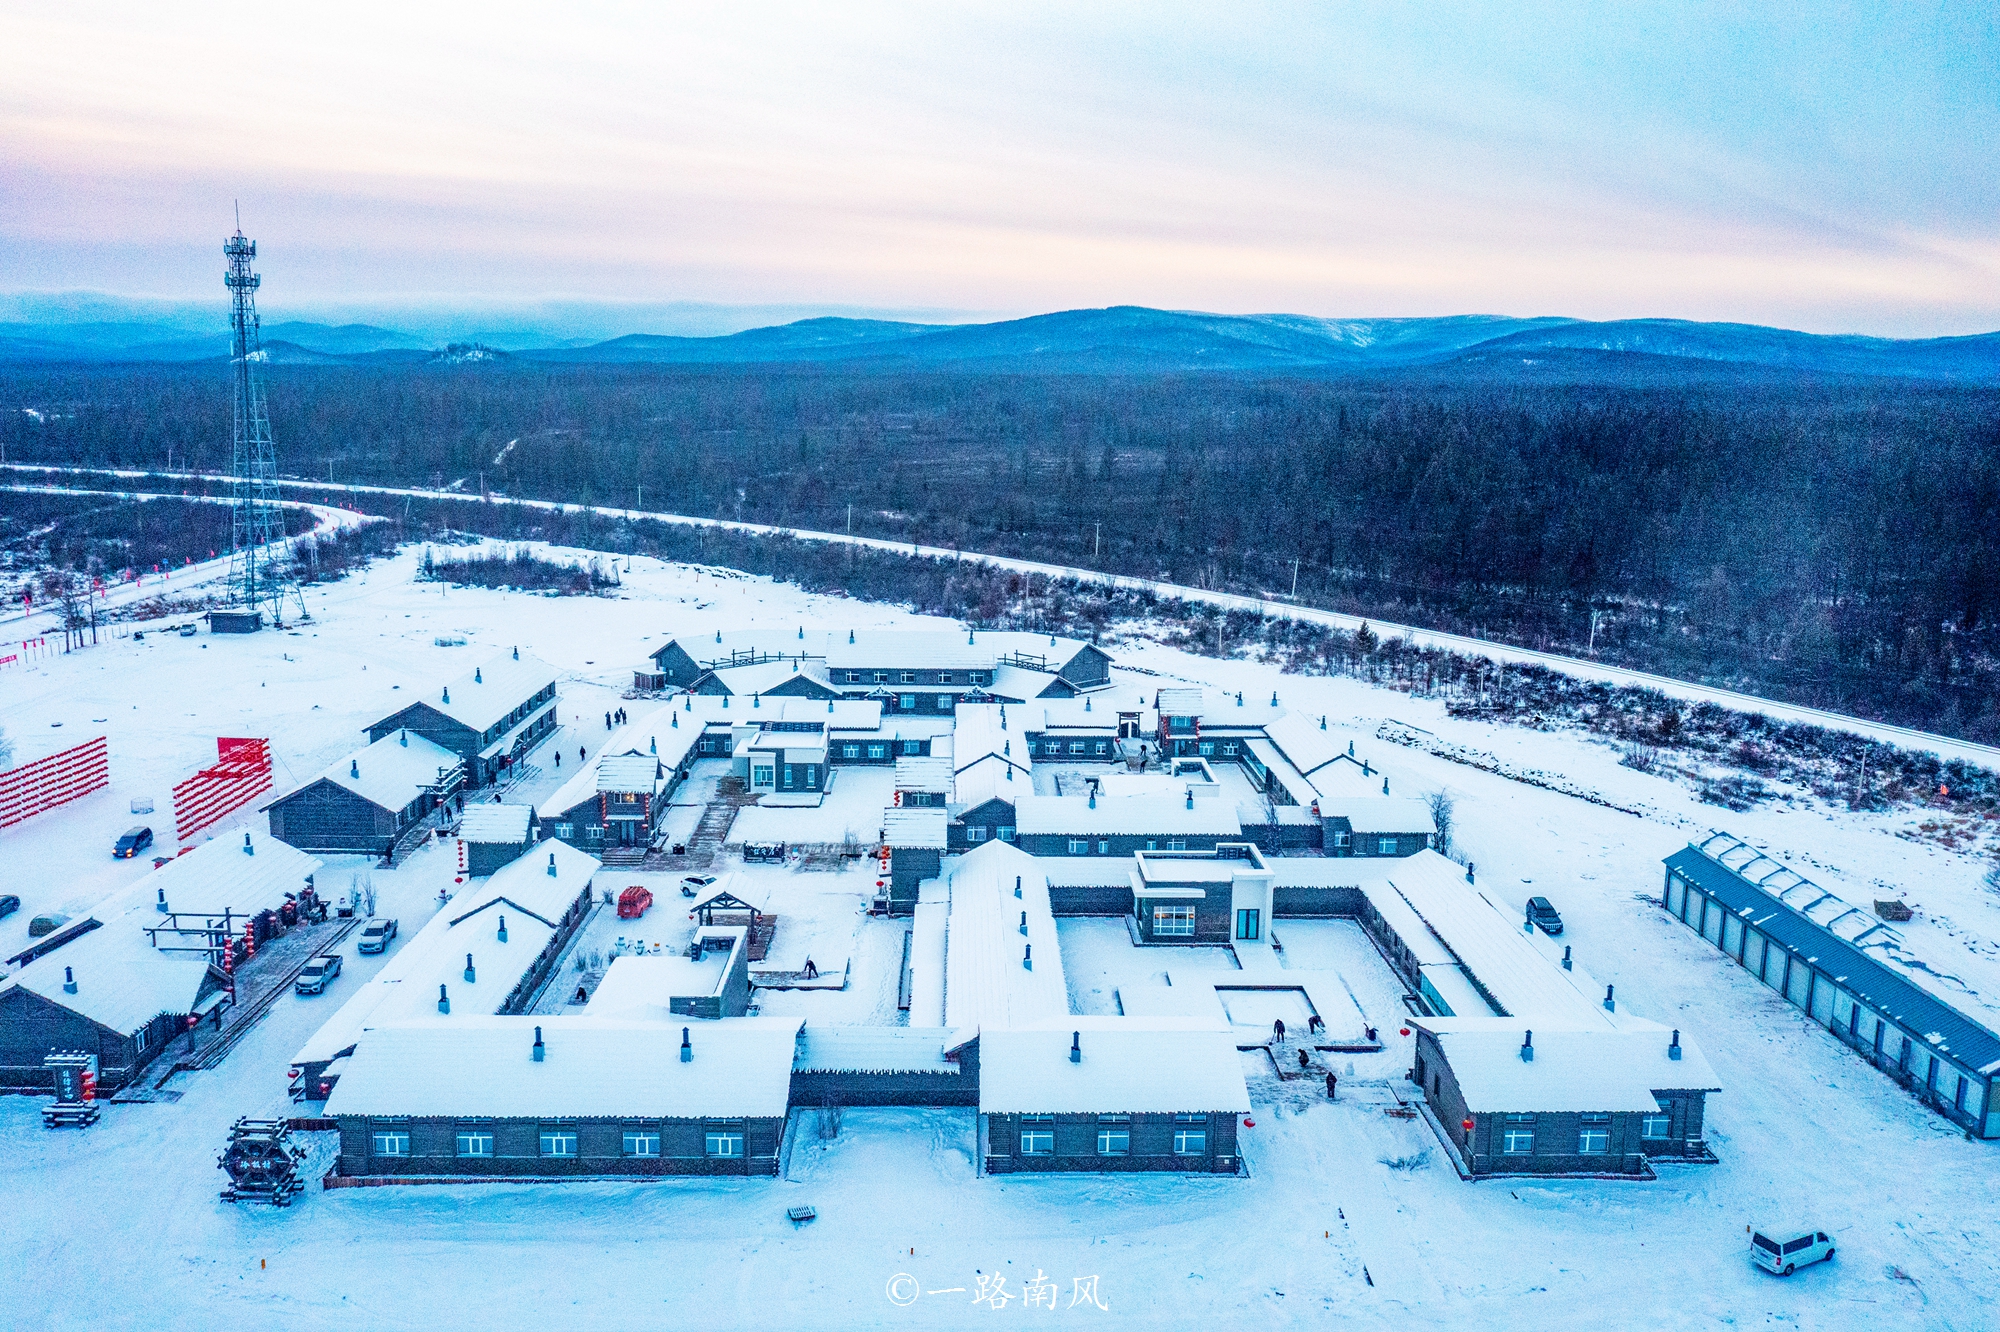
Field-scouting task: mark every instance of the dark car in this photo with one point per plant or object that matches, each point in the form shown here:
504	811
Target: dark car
132	843
375	935
1545	916
9	904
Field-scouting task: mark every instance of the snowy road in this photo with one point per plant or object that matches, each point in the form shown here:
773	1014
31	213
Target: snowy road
15	620
1901	736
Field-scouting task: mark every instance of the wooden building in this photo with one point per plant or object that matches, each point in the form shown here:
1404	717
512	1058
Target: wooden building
1122	825
495	835
369	801
490	717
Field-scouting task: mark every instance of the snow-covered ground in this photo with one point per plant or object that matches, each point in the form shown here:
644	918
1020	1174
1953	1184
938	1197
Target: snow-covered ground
119	1226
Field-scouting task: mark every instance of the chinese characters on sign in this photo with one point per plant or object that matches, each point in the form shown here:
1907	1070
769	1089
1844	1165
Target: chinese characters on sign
990	1289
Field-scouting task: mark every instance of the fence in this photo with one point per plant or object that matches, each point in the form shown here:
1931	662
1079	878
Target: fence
34	788
241	773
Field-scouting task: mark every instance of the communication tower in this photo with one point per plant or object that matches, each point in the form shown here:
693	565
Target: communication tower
260	574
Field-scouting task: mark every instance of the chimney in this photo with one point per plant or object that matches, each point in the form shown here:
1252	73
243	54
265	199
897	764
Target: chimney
1468	871
718	635
403	738
757	699
802	633
1385	786
1086	703
1003	716
850	637
538	1045
1017	885
1366	771
248	849
354	767
968	636
687	1048
1239	698
1274	698
1010	772
552	864
652	744
162	903
469	976
1027	957
447	693
444	1000
677	716
1076	1047
503	929
69	980
1322	721
1024	922
1566	962
1610	1004
1528	1048
1350	749
1674	1046
517	652
477	678
1190	799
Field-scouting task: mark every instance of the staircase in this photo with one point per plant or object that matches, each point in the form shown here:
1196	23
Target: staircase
705	845
622	855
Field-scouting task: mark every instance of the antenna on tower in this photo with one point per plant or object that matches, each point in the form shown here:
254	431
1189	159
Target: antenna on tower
260	575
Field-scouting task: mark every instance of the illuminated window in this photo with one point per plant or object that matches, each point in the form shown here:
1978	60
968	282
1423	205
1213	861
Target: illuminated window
1173	922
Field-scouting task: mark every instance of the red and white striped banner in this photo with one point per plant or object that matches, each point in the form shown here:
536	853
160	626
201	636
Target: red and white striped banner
242	772
34	788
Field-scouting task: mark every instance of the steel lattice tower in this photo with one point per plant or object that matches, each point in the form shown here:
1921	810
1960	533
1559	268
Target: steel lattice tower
260	577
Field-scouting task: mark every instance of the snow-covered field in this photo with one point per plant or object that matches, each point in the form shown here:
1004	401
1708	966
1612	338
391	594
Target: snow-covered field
119	1226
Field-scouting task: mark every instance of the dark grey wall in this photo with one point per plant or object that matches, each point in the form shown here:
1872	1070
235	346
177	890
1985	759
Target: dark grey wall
908	1088
1076	1146
517	1148
328	817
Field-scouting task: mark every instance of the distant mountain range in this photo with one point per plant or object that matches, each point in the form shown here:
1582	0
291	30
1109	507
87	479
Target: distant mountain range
1119	340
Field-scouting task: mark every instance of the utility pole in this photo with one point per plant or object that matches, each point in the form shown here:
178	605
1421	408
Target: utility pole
1295	580
1095	540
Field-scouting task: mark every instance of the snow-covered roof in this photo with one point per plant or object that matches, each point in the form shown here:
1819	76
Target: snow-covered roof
483	696
1302	742
924	773
628	772
1381	814
991	778
980	729
722	647
1400	917
643	737
1282	770
528	884
644	986
391	773
753	681
827	1049
122	982
737	889
1138	815
1088	713
1347	778
915	827
1179	702
218	874
1193	1001
1594	1070
1019	682
1493	946
592	1067
1130	1065
496	823
986	985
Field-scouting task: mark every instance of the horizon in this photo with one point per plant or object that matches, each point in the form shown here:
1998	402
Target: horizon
1685	162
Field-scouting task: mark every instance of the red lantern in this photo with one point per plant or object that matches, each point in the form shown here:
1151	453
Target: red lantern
1467	1126
1249	1123
1405	1031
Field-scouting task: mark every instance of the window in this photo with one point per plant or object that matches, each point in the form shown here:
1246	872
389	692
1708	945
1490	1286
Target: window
1248	923
1077	848
850	751
1174	922
788	776
1190	1119
1076	746
1798	1245
1103	747
139	1036
1229	749
565	830
559	1142
725	1143
1206	747
1594	1137
854	677
1176	844
1152	844
1178	723
1115	1138
1958	1097
594	833
878	751
912	747
812	776
1104	848
908	702
1341	840
1517	1135
944	677
979	677
473	1142
975	832
1190	1142
392	1142
1385	846
881	677
944	702
642	1142
1038	1135
909	677
1653	1128
1006	833
762	776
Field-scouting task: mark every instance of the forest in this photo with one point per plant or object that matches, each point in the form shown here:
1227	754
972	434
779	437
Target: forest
1823	540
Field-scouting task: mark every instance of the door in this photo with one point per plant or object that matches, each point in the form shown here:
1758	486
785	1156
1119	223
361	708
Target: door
1753	952
1248	923
1676	895
1732	936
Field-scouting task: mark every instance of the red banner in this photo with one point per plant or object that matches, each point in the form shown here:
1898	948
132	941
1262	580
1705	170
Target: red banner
34	788
242	772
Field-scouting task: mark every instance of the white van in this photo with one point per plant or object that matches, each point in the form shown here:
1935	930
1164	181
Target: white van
1785	1251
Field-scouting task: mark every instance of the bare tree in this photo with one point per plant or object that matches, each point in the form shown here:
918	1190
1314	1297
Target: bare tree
1442	810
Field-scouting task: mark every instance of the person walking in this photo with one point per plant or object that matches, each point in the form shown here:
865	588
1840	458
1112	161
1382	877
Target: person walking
1331	1083
1278	1031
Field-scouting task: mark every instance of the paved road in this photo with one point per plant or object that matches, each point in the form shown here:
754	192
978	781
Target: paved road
14	622
1902	736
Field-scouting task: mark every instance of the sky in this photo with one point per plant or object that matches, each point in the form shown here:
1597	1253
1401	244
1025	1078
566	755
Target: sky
1825	167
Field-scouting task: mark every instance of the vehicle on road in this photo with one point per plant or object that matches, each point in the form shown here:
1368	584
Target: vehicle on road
1786	1250
132	843
1544	916
632	903
318	972
375	935
694	885
9	904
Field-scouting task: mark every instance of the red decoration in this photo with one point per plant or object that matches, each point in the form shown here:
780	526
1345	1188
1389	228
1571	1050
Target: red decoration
241	773
1405	1031
1249	1123
56	780
1467	1126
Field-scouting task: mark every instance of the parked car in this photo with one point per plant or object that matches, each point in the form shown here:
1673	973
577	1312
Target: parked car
187	631
375	935
1785	1251
132	843
694	885
317	973
9	904
1545	916
632	903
